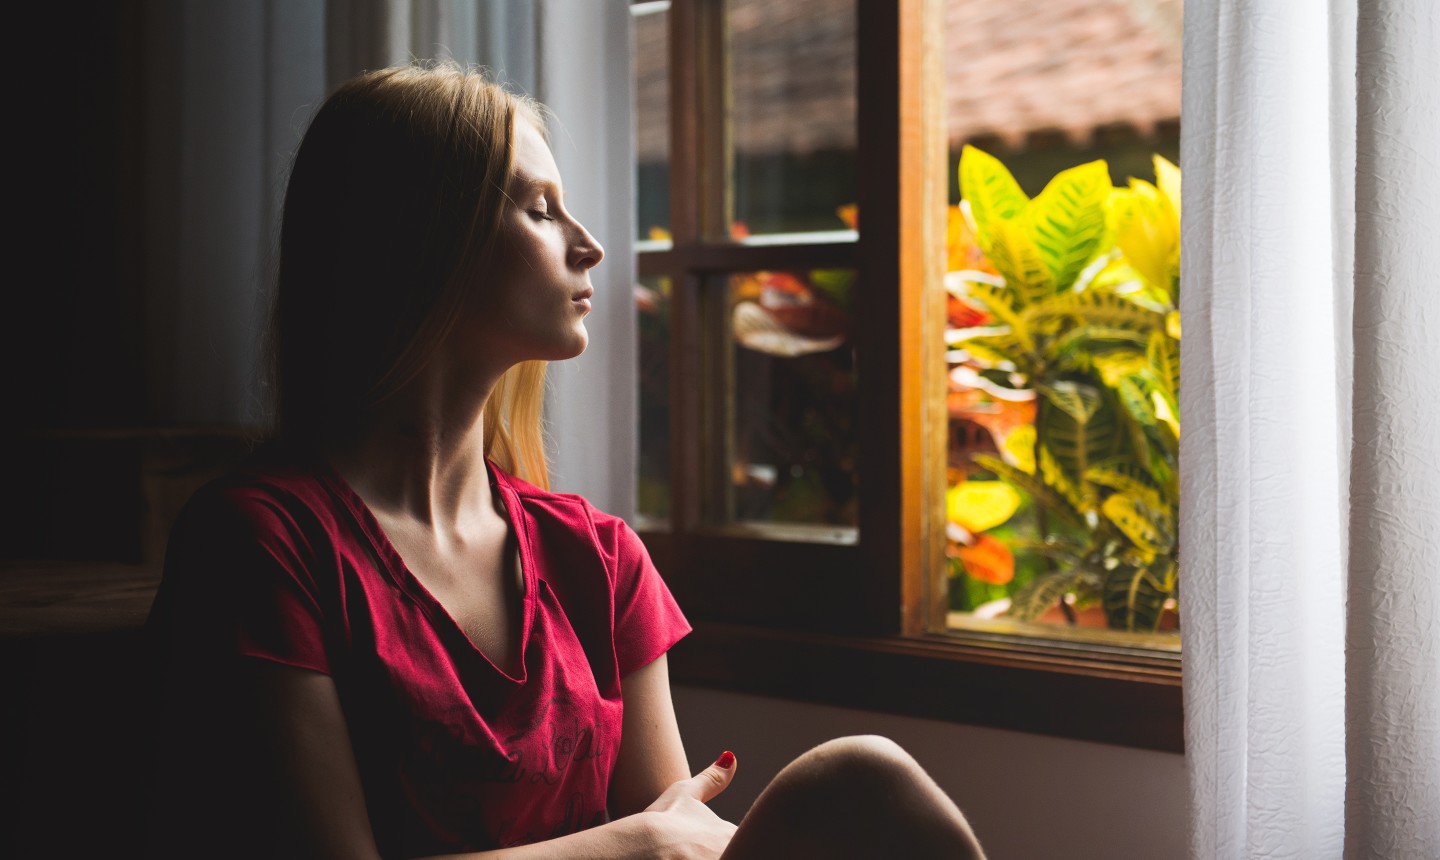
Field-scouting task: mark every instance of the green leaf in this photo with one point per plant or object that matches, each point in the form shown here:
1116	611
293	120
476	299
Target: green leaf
994	348
1099	308
1078	401
1118	364
1077	425
1042	494
990	189
1134	597
1004	304
1096	339
1014	252
837	284
1163	352
1067	220
1134	392
1123	475
1146	521
1043	592
1053	474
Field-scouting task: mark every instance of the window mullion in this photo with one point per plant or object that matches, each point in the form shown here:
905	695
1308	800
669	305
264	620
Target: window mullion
902	202
686	193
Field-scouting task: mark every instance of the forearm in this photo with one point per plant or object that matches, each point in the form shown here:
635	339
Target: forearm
630	837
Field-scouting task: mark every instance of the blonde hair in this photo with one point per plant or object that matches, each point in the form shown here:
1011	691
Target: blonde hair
394	201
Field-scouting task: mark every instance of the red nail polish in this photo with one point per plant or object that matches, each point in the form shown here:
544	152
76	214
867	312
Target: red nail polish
726	760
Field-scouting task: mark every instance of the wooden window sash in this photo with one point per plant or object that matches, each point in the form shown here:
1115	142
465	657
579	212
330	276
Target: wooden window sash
775	614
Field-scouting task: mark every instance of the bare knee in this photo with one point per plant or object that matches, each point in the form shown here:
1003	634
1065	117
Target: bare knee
860	794
855	765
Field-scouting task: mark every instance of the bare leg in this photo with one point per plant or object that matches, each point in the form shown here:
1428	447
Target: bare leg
851	798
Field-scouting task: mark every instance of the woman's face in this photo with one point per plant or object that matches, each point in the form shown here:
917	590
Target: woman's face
534	300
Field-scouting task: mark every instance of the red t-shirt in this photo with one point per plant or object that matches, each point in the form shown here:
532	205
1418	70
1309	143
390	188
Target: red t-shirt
284	562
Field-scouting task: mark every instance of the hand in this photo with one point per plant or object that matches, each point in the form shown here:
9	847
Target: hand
683	826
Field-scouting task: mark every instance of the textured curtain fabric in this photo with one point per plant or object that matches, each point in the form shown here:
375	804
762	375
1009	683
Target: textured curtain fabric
1310	513
230	88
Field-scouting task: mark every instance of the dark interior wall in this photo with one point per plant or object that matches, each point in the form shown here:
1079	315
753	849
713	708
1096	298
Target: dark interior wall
75	320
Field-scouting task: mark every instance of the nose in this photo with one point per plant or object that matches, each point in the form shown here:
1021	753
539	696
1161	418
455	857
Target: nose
587	252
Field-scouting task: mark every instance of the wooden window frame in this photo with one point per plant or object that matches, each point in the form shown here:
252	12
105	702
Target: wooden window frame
853	623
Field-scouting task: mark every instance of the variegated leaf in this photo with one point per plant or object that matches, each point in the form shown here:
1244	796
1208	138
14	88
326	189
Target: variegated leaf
1067	220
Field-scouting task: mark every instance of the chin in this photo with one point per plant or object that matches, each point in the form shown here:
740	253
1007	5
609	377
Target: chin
573	347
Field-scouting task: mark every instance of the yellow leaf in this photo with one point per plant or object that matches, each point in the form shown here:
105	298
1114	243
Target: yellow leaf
1019	448
1164	412
1012	249
1114	366
1172	324
1167	176
1147	230
1138	521
991	190
979	505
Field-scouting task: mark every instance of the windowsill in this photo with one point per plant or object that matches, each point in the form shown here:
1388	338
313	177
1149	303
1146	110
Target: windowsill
1128	699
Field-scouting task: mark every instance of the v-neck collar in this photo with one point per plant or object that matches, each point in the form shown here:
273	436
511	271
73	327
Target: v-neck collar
395	568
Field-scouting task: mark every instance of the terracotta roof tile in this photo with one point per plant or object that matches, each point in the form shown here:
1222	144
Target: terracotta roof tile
1012	67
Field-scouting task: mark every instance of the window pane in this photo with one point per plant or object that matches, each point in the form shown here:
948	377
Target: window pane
792	69
792	439
652	303
1062	375
652	118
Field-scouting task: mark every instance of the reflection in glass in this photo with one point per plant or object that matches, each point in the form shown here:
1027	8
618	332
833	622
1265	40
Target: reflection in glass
652	120
652	305
792	68
793	440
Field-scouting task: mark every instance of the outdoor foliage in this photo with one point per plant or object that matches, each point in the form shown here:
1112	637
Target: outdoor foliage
1064	344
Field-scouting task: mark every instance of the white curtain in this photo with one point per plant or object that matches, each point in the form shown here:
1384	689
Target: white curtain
230	88
1310	507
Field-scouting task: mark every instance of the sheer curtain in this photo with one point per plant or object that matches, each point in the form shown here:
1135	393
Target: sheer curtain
1311	500
229	91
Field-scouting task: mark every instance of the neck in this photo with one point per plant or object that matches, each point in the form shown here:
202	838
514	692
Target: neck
421	456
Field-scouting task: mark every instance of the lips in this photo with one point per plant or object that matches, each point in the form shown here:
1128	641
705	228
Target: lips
582	298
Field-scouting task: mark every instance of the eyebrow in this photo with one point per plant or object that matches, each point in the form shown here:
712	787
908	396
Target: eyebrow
535	182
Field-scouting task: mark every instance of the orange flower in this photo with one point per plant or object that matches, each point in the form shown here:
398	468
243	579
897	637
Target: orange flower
988	560
961	314
850	214
962	247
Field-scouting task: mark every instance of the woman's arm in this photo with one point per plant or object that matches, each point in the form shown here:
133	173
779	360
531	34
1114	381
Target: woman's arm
307	760
652	756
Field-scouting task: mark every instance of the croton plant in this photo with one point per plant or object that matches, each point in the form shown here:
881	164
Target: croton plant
1064	345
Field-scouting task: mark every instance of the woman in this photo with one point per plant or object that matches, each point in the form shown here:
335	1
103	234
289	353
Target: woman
384	637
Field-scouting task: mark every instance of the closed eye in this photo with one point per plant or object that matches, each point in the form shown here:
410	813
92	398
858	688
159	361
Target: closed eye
538	213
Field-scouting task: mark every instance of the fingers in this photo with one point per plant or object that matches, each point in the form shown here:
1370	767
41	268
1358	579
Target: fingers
708	783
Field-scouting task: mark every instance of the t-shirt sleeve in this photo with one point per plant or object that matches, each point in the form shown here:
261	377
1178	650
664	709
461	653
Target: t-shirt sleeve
240	580
647	620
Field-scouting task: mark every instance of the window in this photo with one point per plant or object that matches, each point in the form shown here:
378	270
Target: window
1062	487
794	428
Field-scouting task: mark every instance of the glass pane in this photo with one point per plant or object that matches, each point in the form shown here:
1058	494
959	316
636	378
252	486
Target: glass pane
1062	471
792	435
652	120
652	303
792	69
